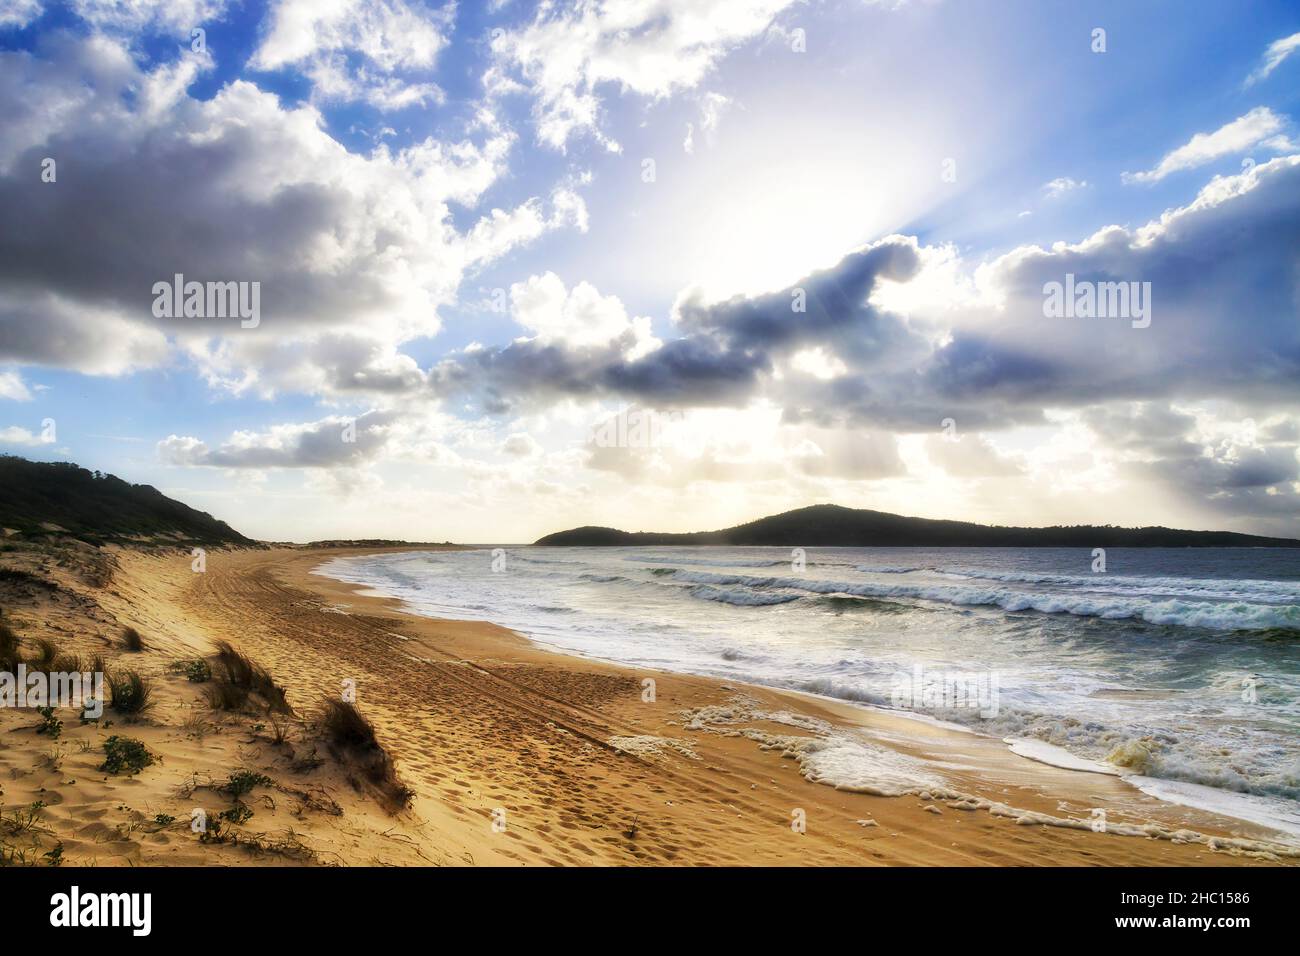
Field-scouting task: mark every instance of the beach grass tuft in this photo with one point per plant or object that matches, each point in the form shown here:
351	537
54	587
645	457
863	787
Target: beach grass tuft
351	738
132	641
132	693
237	679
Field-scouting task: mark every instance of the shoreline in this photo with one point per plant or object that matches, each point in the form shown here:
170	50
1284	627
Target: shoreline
519	755
852	714
1215	803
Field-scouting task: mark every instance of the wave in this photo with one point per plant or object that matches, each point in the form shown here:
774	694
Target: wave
1208	588
887	569
701	562
845	602
1235	616
741	598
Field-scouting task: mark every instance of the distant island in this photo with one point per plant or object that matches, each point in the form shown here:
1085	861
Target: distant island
832	526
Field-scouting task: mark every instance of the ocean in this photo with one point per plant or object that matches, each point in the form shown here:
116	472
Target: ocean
1178	669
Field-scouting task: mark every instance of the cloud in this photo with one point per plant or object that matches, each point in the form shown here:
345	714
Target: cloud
653	48
712	106
521	445
578	318
1061	185
328	443
14	388
16	14
137	16
585	345
1277	51
359	49
1218	265
860	353
1260	127
1198	451
897	337
970	456
16	435
233	188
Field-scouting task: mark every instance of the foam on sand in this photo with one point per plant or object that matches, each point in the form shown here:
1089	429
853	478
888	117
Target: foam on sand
843	759
647	745
1054	756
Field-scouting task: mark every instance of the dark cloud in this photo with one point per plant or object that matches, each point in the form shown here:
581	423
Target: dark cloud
1225	308
723	353
328	443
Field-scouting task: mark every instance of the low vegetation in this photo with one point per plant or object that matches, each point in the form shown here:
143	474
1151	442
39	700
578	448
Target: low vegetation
197	671
238	681
125	755
131	693
9	653
351	738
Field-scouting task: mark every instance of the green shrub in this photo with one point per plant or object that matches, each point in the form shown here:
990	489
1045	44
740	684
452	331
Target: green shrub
125	753
237	814
198	671
243	781
50	724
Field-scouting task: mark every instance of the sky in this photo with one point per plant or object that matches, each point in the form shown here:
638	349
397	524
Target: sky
657	264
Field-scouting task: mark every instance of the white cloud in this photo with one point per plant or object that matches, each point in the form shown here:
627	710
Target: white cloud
653	48
818	363
712	106
1061	185
390	36
19	13
16	435
521	445
133	16
13	387
1277	51
578	318
970	456
1260	127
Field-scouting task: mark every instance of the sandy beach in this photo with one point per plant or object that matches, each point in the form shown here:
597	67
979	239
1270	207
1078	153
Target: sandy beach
514	755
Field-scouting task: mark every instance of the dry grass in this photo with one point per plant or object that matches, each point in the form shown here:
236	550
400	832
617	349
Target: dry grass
132	641
9	654
351	738
47	652
238	680
132	693
47	659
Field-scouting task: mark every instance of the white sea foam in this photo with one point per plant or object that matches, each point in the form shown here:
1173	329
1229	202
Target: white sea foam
1237	615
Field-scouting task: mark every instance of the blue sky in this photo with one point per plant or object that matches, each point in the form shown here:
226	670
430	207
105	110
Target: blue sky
459	250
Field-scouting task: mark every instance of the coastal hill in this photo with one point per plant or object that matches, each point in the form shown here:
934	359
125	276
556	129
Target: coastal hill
40	499
834	526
